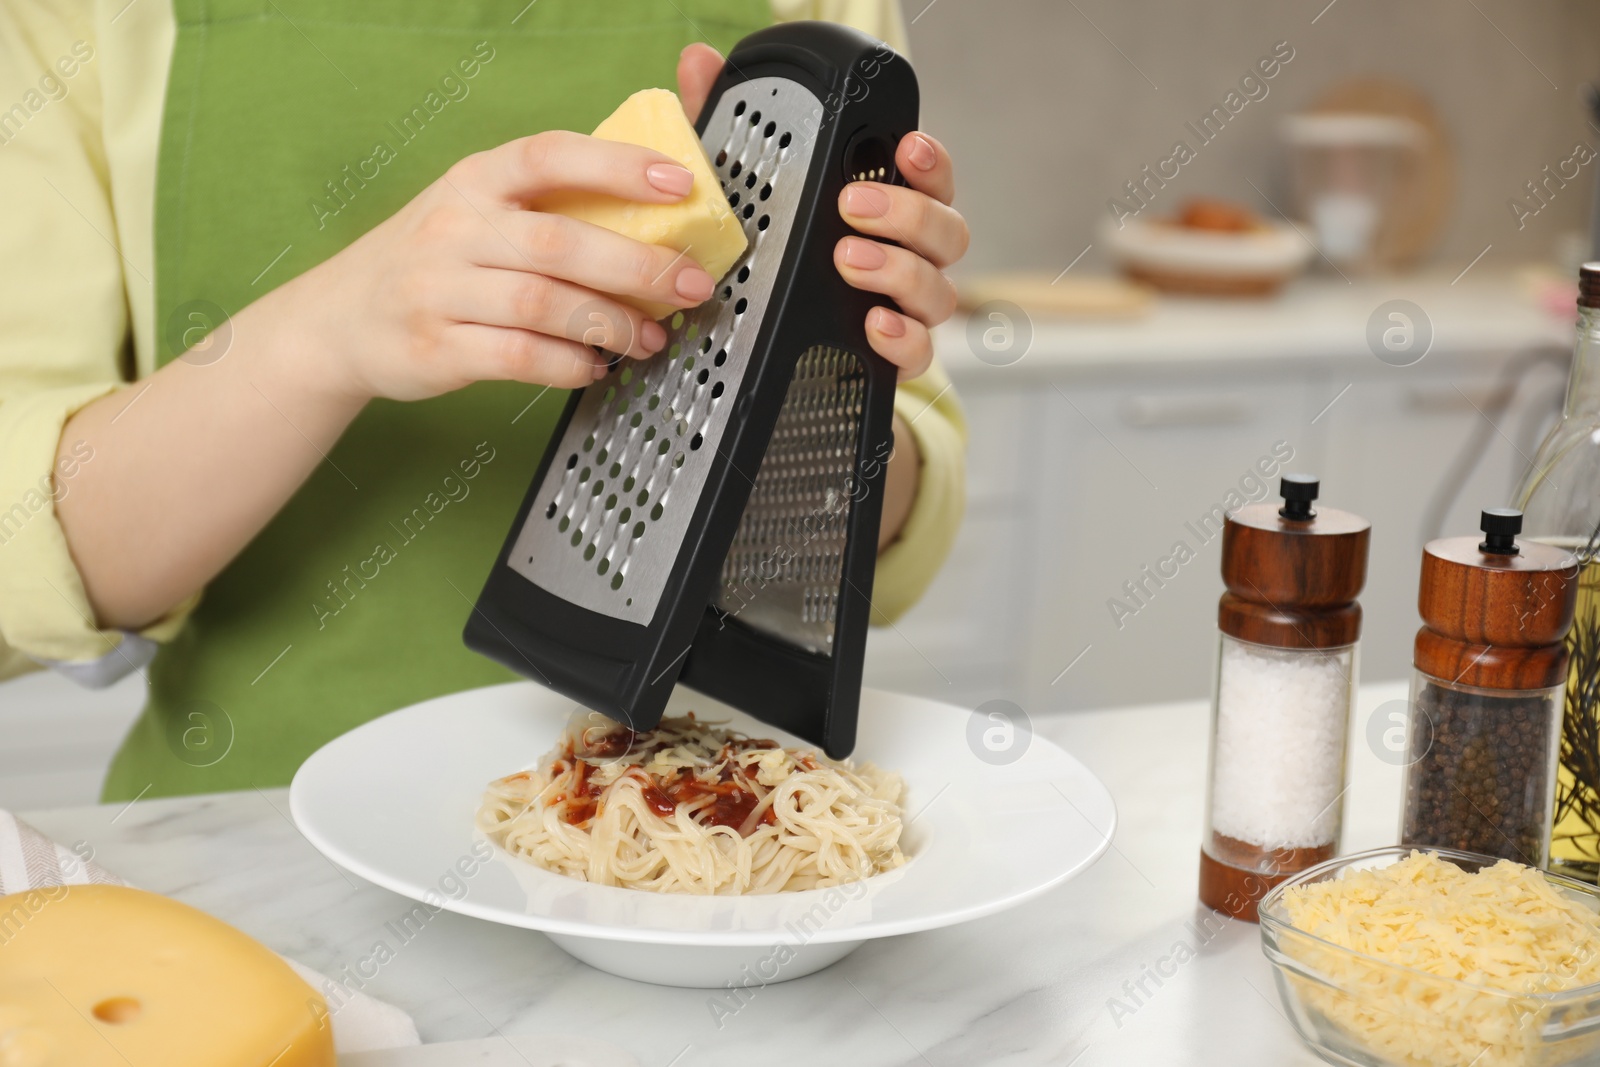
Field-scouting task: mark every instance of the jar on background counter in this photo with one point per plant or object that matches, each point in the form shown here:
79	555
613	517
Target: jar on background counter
1488	693
1285	684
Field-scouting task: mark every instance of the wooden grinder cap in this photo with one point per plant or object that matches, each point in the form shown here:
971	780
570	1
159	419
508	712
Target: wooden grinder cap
1293	572
1496	610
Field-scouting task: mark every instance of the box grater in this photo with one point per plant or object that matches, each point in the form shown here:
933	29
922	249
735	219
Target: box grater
710	515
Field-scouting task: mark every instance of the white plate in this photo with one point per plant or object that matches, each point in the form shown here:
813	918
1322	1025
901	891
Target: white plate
393	801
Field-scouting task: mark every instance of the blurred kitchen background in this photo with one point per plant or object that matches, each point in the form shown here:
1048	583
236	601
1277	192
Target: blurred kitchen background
1109	417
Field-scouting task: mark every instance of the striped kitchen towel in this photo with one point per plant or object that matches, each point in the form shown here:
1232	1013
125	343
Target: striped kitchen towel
30	860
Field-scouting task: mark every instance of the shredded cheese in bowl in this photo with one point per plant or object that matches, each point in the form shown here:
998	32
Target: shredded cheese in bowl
1425	962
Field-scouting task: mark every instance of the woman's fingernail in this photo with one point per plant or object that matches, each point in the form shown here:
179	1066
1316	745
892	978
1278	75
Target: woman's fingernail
865	202
864	255
670	178
694	284
888	323
921	152
653	336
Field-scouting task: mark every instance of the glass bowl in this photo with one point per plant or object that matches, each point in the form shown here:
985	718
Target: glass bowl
1357	1010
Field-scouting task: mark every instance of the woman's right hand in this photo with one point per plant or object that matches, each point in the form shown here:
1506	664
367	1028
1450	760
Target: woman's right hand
465	283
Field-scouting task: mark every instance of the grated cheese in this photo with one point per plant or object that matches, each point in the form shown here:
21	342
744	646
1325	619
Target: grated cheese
1504	929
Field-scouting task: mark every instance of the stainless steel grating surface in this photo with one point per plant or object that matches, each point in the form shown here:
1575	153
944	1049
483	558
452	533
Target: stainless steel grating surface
610	517
783	573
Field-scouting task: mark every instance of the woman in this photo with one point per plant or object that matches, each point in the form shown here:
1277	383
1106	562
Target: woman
297	228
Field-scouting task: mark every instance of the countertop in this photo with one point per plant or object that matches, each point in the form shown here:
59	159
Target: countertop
1055	981
1484	315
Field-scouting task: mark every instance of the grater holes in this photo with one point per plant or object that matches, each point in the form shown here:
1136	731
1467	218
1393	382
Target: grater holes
677	461
763	222
783	142
677	320
750	182
733	171
583	475
772	128
740	305
755	118
655	513
744	274
727	292
738	109
624	515
766	190
706	347
638	527
703	377
550	512
721	357
694	446
605	565
716	391
616	583
616	469
722	157
564	524
733	200
749	209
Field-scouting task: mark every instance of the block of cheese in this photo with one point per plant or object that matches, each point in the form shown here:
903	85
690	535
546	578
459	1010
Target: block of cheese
702	225
107	976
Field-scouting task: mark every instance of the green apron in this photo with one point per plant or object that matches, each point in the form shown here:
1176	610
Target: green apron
292	127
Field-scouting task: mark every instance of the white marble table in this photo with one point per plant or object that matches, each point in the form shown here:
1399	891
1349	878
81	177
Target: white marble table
1035	985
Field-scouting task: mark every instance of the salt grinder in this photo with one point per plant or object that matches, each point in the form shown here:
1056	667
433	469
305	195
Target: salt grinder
1487	695
1285	682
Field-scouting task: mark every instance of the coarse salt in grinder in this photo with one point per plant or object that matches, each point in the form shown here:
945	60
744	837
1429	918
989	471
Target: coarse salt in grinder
1286	677
1487	696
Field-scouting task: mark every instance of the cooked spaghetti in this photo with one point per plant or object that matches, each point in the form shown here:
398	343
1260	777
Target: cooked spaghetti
692	808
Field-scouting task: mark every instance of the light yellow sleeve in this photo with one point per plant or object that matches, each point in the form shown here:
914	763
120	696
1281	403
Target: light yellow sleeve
63	322
880	18
905	568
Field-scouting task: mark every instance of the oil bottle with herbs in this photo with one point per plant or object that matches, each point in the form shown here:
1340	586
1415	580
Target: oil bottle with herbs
1560	500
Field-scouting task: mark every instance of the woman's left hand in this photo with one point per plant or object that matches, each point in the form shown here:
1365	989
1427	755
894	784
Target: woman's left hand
930	233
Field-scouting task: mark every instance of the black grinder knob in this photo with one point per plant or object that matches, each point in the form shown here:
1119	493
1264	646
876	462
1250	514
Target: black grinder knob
1500	527
1298	491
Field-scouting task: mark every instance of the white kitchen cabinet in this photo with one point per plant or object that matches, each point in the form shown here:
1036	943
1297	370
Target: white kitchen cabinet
1099	452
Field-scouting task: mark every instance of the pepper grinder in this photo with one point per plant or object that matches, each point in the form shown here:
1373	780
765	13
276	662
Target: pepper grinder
1285	682
1487	695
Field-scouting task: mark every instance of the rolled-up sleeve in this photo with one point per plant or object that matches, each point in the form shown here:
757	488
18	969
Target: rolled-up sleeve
63	332
928	405
880	18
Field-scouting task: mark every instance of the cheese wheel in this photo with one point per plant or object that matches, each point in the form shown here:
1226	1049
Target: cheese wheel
702	226
107	976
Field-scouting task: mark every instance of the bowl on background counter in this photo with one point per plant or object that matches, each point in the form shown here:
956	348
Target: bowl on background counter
1358	1010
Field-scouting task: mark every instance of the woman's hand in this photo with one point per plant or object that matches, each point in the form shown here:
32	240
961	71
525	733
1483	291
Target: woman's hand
931	234
465	284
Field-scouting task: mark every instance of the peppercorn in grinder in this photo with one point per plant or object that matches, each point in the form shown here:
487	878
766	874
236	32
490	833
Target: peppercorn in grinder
1487	696
1285	683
